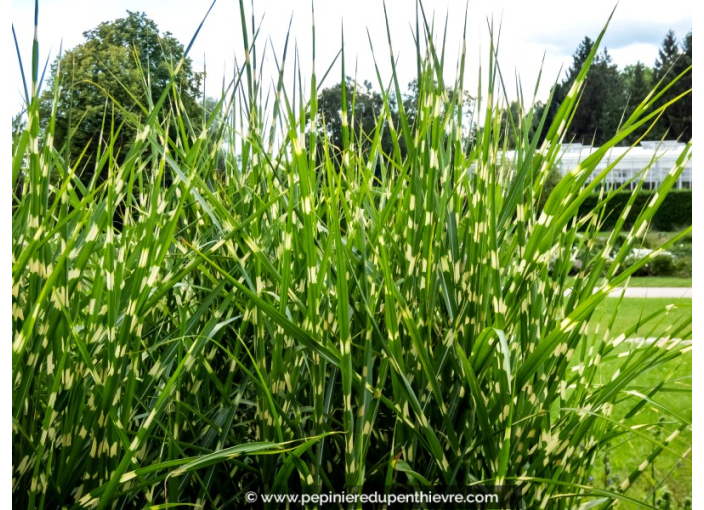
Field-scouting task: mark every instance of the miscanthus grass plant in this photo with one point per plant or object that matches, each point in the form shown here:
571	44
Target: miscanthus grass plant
322	319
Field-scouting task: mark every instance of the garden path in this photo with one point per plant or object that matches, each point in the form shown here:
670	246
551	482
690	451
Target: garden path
653	292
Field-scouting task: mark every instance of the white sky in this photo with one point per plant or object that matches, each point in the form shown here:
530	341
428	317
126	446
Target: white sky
528	29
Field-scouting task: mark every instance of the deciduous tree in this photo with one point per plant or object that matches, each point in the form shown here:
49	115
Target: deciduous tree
107	83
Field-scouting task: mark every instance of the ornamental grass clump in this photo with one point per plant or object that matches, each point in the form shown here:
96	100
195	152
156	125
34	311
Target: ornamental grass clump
321	318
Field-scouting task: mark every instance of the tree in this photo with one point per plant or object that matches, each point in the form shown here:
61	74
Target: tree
215	132
680	113
102	83
562	89
602	101
637	73
671	62
368	107
513	120
685	104
601	105
687	46
467	102
667	55
637	81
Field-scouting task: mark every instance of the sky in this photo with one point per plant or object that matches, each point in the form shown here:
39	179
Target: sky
529	31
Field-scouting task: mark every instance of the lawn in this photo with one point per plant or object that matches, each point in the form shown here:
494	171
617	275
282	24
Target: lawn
670	472
631	310
653	237
660	281
654	281
677	276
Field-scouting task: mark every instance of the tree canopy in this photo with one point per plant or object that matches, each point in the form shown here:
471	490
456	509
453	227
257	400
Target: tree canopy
369	106
610	95
602	100
672	61
109	81
637	82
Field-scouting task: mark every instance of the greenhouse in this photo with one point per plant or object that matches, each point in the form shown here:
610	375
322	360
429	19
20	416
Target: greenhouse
659	156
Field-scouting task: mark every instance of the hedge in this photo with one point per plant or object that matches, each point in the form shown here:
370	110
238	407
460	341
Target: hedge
675	212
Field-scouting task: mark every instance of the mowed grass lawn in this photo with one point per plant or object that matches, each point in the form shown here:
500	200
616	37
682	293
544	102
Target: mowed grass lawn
660	281
670	471
633	310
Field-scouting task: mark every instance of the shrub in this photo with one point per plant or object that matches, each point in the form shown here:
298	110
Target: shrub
674	214
685	240
682	249
663	265
683	267
294	325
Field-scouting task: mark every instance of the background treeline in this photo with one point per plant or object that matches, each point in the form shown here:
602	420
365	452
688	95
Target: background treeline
99	84
610	95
